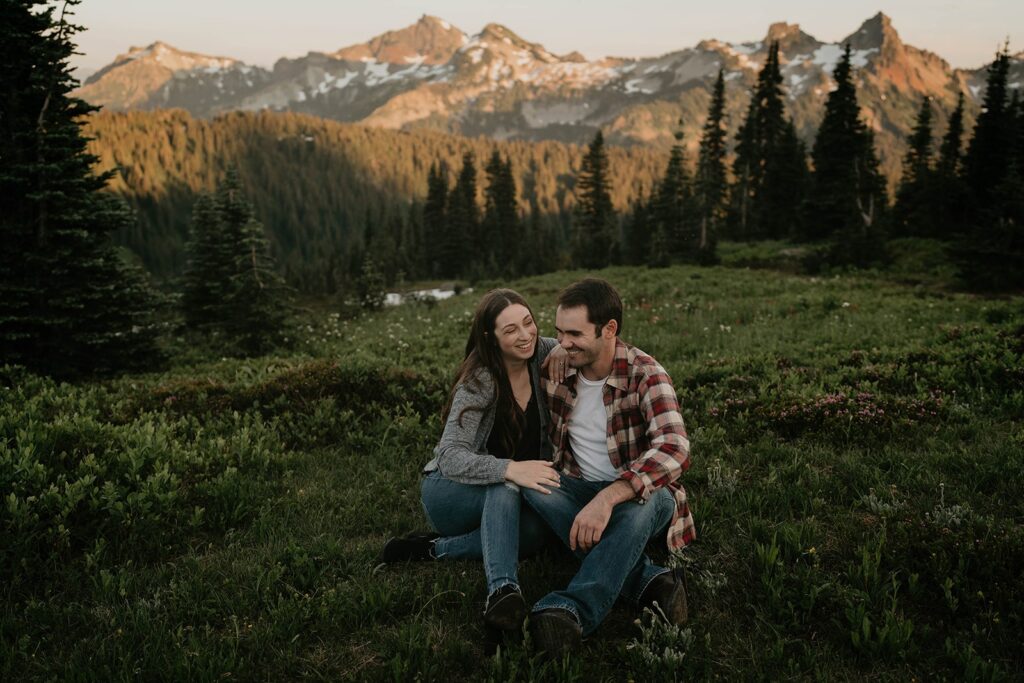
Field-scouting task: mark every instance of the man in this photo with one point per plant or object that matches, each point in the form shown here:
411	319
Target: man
621	447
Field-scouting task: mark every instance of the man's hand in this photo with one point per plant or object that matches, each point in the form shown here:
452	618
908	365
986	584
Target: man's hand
592	520
590	523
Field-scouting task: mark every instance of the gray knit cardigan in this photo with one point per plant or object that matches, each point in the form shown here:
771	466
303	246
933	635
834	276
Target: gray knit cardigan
462	455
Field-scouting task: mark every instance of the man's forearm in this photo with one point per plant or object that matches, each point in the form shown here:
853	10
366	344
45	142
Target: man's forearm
617	492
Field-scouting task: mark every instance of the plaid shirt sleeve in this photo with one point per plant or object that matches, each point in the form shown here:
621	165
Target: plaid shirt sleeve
669	453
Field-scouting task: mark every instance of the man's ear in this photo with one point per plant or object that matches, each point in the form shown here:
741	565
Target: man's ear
610	329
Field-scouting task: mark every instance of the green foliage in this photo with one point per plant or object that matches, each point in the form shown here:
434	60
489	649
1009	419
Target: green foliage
321	187
255	495
595	222
711	184
847	200
232	289
770	165
69	305
991	253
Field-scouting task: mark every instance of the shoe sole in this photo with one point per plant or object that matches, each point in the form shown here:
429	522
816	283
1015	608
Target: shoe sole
507	614
555	636
676	608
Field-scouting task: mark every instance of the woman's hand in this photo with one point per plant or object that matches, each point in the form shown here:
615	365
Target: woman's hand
533	474
556	364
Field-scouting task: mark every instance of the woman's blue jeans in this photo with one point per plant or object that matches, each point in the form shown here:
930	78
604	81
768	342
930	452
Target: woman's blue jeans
487	522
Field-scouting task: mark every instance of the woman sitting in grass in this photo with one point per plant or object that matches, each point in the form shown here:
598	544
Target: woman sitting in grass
494	441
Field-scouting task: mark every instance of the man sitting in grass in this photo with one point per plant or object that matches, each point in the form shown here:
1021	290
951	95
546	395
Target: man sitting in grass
621	448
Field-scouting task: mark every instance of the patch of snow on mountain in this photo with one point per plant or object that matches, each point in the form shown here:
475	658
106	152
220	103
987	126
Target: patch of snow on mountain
446	26
343	80
744	48
376	72
475	55
636	86
418	59
827	56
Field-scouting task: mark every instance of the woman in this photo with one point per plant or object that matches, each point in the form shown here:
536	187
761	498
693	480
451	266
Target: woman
494	441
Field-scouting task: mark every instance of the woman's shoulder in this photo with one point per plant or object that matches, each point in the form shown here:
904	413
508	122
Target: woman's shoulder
479	381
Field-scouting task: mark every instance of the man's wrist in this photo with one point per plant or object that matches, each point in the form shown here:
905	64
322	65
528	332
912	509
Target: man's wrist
619	491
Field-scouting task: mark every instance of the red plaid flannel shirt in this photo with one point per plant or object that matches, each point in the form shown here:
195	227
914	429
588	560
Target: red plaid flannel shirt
647	441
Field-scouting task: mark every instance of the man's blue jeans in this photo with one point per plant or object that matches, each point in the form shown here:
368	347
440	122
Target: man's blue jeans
617	564
482	522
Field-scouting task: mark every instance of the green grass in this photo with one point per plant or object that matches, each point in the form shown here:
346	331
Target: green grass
856	481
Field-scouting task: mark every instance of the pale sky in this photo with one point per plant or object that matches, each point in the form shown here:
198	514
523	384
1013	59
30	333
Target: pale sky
966	34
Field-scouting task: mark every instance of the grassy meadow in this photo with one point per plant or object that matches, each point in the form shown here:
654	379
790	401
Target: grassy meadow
857	483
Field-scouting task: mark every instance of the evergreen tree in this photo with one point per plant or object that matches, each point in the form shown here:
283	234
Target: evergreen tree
463	244
257	300
770	162
675	217
435	220
990	255
848	200
948	196
989	153
710	183
205	277
370	286
912	213
69	304
232	288
636	242
595	220
502	233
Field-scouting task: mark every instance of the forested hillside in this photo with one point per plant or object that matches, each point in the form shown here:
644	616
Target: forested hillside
320	187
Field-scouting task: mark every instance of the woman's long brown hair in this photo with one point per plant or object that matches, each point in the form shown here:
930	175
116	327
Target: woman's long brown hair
482	351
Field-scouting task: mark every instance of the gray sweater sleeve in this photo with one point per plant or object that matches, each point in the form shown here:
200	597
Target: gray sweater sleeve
461	453
544	347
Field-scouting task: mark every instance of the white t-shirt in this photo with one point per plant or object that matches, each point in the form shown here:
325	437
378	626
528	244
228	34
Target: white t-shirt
588	430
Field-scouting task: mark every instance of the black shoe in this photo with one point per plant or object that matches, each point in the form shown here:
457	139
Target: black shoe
668	590
418	545
555	632
505	609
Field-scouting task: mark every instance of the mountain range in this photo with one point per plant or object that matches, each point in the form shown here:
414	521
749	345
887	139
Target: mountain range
495	83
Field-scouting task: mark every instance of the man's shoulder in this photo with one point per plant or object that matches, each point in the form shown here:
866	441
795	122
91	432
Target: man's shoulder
643	364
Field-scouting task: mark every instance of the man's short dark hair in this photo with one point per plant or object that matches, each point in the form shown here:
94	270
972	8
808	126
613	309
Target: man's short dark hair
602	301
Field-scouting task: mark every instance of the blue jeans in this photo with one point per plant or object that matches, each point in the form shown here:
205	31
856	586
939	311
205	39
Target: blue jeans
482	522
617	564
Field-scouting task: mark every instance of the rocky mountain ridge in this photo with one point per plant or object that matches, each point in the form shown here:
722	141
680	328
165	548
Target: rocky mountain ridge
498	84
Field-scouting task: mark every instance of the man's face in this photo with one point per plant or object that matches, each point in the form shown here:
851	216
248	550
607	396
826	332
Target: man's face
578	336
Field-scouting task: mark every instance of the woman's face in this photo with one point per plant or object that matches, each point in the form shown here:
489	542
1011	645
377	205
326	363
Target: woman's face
516	333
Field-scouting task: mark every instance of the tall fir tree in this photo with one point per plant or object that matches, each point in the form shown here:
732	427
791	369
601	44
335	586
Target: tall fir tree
205	278
710	183
435	221
847	201
232	289
912	213
502	234
595	222
463	224
69	304
637	229
989	153
675	216
949	192
990	254
769	184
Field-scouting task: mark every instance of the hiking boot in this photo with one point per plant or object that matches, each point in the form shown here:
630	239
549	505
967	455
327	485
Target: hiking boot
666	594
416	546
555	632
505	609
